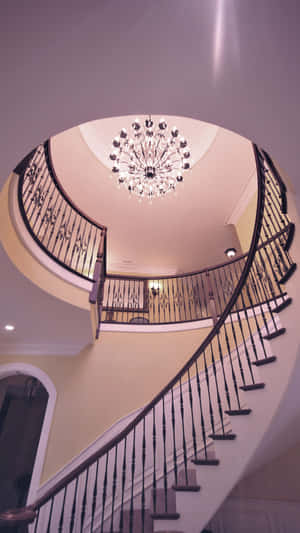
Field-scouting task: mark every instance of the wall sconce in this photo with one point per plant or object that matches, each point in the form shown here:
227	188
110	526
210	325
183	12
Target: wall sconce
154	287
230	252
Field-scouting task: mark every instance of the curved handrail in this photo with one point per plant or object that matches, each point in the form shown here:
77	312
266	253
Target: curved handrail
173	299
60	228
250	283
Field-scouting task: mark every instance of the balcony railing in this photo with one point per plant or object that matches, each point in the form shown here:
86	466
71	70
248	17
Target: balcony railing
64	232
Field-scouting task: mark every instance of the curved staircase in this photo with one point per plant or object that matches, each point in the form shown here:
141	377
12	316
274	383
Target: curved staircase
172	466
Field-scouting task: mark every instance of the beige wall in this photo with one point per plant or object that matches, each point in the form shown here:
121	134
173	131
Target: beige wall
245	224
111	378
277	480
116	375
28	265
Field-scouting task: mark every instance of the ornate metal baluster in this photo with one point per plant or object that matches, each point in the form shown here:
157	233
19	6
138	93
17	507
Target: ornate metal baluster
132	482
192	415
104	492
114	486
50	515
174	435
83	505
164	429
62	512
183	432
201	410
143	502
73	512
95	494
154	459
211	411
123	483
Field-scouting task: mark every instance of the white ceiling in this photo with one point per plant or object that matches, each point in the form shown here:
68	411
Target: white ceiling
44	324
98	134
177	233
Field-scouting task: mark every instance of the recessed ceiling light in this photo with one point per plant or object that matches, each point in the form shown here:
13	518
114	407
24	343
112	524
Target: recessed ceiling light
9	327
230	252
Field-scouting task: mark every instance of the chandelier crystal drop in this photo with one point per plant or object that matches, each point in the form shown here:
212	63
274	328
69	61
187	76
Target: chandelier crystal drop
151	160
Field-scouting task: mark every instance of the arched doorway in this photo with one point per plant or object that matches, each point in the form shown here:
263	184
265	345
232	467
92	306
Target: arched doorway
23	404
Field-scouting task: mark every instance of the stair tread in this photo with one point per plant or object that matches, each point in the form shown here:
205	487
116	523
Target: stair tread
165	516
222	436
206	462
253	386
283	305
237	412
288	274
290	237
265	361
186	488
275	334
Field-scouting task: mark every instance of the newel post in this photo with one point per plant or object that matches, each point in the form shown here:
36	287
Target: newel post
19	518
211	299
96	294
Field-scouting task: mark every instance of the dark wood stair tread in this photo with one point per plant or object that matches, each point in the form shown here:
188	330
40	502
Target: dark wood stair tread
290	237
275	334
288	274
265	361
283	305
165	516
186	488
238	412
206	462
253	386
222	436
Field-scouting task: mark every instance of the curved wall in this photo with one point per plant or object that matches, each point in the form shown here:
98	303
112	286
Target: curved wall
28	264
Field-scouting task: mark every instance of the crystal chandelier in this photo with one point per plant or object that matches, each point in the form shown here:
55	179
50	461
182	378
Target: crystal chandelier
151	160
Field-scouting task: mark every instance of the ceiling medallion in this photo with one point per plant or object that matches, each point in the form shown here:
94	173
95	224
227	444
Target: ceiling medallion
151	160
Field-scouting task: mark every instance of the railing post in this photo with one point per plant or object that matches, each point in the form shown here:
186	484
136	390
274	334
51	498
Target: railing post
18	518
96	294
211	299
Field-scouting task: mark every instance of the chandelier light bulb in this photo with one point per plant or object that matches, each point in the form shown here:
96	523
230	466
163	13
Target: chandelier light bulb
116	142
136	125
150	159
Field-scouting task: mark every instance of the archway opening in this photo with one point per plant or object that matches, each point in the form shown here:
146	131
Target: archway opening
23	403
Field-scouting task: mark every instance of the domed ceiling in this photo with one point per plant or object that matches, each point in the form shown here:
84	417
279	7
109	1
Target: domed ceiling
180	232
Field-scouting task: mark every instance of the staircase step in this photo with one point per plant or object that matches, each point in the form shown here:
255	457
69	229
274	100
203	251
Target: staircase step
238	412
288	274
275	334
165	502
265	361
283	305
253	386
222	436
290	237
206	462
186	488
137	521
165	516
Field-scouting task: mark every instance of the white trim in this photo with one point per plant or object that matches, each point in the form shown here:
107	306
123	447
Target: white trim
41	349
156	328
185	326
244	200
33	248
30	370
